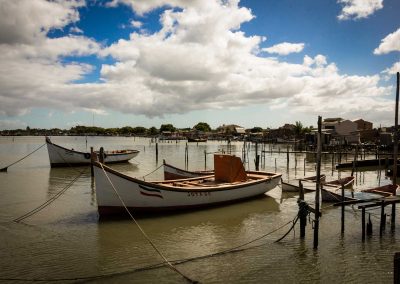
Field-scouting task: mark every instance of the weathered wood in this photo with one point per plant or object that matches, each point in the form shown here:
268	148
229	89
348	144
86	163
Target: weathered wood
303	219
396	267
363	224
318	184
91	162
395	149
342	219
101	155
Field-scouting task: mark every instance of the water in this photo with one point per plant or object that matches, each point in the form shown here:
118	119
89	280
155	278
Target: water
66	240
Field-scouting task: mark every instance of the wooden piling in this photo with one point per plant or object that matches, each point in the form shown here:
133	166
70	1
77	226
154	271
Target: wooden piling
287	156
363	224
342	219
156	151
318	185
101	155
395	150
91	162
303	219
396	268
383	219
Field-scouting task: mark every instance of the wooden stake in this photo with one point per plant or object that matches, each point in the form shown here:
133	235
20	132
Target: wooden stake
396	145
318	185
91	162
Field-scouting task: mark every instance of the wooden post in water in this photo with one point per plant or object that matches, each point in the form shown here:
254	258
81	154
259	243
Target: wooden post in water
287	156
363	223
91	162
257	158
303	218
396	268
383	219
318	185
156	151
342	219
395	149
101	155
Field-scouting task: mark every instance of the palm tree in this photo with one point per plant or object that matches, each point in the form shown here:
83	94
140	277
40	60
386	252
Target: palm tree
298	129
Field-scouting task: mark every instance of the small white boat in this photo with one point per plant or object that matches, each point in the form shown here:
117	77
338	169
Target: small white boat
230	183
60	156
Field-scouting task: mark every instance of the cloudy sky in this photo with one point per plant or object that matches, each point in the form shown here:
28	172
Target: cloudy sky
149	62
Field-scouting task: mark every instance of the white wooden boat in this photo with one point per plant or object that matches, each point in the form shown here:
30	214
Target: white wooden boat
230	183
60	156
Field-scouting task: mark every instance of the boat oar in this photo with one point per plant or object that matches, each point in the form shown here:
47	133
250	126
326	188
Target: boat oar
5	168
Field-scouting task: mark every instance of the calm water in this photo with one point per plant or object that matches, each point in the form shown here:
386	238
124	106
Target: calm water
66	240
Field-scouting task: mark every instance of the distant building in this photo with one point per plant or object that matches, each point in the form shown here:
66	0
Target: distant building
232	129
342	131
363	125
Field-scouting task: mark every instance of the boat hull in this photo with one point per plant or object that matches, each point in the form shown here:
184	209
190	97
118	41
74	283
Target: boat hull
60	156
141	196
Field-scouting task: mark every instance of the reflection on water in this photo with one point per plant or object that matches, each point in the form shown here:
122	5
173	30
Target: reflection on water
66	239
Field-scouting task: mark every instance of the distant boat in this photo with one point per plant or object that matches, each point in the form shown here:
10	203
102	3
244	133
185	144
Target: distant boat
196	139
60	156
230	183
366	163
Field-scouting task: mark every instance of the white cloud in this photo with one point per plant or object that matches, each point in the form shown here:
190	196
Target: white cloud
390	43
285	48
12	124
75	30
136	24
30	21
391	71
358	9
199	59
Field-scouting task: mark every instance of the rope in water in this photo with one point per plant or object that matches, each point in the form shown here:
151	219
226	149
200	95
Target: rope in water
144	233
153	266
5	168
49	201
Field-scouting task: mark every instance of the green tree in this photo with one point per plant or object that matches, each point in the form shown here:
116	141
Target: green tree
202	126
298	129
256	129
153	131
167	127
139	130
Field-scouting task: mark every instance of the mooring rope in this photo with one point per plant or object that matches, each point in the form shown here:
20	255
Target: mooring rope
49	201
152	266
152	171
144	233
5	168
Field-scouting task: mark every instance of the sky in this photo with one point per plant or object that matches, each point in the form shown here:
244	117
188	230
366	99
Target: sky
146	63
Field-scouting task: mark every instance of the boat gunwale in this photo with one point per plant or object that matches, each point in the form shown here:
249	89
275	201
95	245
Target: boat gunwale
163	184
